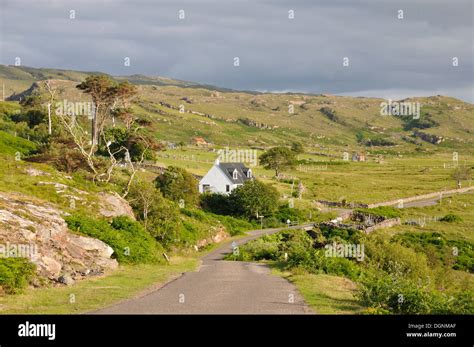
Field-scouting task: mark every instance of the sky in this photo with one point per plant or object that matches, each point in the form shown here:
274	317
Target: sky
386	55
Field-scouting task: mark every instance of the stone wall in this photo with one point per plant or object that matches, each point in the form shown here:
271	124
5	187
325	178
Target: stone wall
385	224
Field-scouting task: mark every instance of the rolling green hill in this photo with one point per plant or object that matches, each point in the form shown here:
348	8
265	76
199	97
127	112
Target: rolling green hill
236	118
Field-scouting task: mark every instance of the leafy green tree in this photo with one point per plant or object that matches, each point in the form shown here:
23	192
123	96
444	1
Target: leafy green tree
159	215
278	158
254	199
177	184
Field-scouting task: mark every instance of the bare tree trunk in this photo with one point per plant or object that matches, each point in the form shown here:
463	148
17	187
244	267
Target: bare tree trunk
80	143
134	169
95	132
49	120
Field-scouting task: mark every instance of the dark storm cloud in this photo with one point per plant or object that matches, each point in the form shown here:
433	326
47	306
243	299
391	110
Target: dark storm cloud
388	57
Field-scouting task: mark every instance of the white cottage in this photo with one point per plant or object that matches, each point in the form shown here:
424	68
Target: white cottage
224	177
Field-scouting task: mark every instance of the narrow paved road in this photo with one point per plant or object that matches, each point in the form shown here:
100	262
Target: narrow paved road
227	287
221	287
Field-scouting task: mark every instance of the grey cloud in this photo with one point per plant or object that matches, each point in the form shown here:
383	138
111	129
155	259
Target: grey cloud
386	55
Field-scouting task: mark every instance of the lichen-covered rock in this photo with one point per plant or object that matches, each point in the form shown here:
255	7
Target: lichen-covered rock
36	230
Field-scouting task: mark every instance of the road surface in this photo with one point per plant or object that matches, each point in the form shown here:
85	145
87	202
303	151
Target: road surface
221	287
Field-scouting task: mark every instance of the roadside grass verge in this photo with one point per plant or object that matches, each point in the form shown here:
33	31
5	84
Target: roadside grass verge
325	294
95	293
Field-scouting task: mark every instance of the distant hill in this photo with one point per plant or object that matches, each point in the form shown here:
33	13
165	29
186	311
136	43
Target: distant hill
17	78
237	118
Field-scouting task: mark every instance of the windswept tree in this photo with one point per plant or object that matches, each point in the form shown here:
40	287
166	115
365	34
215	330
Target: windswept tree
103	93
108	98
125	92
278	159
461	173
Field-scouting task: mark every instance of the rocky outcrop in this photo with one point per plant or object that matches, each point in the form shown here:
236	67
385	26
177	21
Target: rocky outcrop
38	231
218	236
109	204
113	205
433	139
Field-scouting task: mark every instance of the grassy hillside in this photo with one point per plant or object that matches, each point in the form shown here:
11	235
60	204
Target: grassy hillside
234	118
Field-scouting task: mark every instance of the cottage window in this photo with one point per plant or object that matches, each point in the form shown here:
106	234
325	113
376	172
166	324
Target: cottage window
234	175
249	173
227	188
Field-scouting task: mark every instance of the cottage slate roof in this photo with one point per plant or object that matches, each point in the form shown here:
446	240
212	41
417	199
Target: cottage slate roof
242	170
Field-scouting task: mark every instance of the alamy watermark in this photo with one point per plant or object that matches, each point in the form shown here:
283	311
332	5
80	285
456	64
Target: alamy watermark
248	156
75	108
345	250
14	250
400	108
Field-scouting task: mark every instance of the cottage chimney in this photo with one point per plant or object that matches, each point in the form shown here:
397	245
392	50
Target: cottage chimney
217	162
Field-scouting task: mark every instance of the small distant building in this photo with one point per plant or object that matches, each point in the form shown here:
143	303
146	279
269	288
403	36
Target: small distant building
200	142
223	178
358	157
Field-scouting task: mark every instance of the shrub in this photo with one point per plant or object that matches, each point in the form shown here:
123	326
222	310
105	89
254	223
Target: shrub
293	214
129	240
395	258
15	274
451	218
340	267
394	293
456	253
265	248
160	216
216	203
235	226
298	246
334	234
176	184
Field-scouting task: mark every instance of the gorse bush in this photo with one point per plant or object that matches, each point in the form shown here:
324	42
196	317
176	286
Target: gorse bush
129	240
15	274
